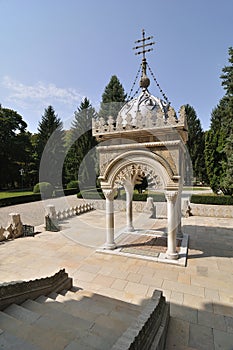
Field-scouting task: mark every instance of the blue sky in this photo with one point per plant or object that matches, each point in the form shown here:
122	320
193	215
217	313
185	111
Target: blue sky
55	52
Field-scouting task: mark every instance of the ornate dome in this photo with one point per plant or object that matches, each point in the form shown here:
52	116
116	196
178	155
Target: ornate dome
144	105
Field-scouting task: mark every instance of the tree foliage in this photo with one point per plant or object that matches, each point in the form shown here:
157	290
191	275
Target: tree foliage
219	139
113	98
50	149
15	148
80	162
196	144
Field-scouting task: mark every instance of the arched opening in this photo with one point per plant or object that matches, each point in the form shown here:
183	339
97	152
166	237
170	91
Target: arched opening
127	170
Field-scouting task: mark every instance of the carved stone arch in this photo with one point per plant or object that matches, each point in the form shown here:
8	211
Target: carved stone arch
143	158
134	173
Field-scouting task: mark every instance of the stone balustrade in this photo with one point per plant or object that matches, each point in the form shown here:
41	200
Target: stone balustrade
53	217
73	211
153	119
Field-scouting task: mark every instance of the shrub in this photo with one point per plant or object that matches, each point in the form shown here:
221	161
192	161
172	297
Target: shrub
4	202
44	188
98	194
73	184
65	192
94	193
211	199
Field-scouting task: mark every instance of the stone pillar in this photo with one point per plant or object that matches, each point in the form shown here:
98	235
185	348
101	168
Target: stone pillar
110	243
179	216
172	225
51	222
129	210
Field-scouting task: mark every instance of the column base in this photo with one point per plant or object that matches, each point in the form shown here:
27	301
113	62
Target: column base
172	256
129	229
179	234
109	246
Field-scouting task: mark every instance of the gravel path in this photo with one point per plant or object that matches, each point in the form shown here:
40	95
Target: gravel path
33	213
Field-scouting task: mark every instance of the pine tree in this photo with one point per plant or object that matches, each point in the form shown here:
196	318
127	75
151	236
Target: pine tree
50	147
227	76
80	163
219	140
196	144
113	98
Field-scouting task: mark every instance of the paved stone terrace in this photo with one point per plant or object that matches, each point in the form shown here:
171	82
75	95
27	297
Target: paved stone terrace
201	294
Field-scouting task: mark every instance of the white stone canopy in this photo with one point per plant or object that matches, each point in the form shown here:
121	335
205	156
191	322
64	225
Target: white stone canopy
145	139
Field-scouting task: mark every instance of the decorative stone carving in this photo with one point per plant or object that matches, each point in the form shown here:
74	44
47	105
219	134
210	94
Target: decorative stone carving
171	196
3	234
15	227
171	116
134	174
119	121
139	121
110	124
109	194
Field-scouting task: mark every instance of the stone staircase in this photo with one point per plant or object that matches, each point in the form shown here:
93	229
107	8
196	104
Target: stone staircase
71	320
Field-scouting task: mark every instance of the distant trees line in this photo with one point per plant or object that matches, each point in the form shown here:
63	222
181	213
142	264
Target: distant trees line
211	151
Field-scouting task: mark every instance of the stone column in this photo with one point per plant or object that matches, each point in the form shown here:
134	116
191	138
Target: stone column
172	225
179	216
110	243
129	210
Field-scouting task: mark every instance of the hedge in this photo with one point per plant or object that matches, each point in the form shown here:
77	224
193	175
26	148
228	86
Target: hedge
66	192
211	199
4	202
98	194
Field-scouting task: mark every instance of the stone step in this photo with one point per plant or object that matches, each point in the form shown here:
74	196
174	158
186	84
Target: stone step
43	338
52	312
22	314
101	334
44	322
93	342
9	341
68	320
98	304
80	294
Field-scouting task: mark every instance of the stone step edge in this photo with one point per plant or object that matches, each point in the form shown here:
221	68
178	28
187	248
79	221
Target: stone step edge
17	293
149	329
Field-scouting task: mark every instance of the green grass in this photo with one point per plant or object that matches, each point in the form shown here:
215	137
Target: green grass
194	188
14	194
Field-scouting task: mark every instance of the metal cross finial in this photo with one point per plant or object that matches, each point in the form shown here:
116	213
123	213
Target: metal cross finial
144	45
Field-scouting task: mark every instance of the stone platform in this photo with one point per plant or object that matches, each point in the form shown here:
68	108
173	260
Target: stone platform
200	294
148	245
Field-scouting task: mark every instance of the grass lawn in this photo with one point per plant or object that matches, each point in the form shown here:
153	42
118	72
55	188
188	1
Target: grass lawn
196	188
5	194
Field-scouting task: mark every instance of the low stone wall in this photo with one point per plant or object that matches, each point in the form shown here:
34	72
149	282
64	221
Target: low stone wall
188	209
138	206
18	292
218	211
150	328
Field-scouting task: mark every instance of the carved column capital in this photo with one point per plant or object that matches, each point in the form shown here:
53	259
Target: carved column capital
109	194
171	196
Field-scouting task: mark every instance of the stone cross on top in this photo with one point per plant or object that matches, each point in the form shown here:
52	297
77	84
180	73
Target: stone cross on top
144	45
145	81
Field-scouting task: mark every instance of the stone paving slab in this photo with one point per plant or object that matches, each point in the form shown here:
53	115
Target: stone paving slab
201	294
